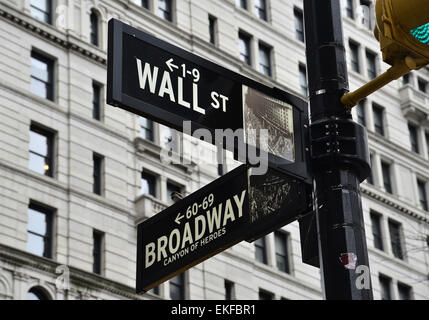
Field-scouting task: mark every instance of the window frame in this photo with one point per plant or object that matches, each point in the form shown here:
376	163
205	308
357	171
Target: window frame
247	40
97	93
48	238
385	283
145	173
414	137
263	247
268	51
180	284
48	13
396	244
282	237
299	22
162	13
98	238
149	131
354	56
49	84
376	227
371	63
257	10
386	170
302	72
49	157
94	27
213	30
378	115
422	191
98	173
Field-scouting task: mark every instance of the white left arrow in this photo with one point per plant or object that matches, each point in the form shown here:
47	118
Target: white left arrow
170	64
178	218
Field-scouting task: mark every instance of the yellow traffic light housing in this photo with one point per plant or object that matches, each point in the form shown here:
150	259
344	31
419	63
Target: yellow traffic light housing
403	32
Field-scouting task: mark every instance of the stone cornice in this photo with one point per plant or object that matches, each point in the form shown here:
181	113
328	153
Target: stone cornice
394	204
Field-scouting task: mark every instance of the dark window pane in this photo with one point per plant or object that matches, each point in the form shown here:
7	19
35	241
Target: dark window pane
265	295
148	184
303	79
229	288
370	178
404	292
244	48
421	186
376	230
360	111
354	56
387	182
177	287
371	63
378	119
282	259
171	188
261	250
395	239
413	138
299	25
385	290
96	103
145	4
422	85
94	28
36	294
97	173
406	79
97	251
265	60
212	29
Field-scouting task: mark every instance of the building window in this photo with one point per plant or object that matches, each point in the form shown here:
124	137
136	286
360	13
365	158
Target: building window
41	10
177	287
387	181
229	290
261	9
405	79
427	142
39	230
146	129
354	56
172	188
241	3
365	6
36	293
265	60
165	9
94	28
97	174
261	250
144	3
213	29
370	178
404	292
97	252
422	85
169	138
42	76
350	9
282	256
385	287
148	184
41	151
396	239
155	290
360	112
265	295
376	230
413	138
299	25
96	101
371	64
244	48
378	113
303	84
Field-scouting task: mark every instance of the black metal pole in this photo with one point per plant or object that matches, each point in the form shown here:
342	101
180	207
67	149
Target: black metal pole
339	155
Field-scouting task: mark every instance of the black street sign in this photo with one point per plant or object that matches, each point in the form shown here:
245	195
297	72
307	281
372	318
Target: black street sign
157	80
237	206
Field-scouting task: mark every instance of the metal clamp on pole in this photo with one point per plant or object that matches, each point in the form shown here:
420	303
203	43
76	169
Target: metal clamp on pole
340	141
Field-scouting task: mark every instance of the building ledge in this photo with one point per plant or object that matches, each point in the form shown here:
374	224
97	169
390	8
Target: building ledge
414	104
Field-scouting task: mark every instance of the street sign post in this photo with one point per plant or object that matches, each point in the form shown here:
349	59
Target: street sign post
157	80
237	206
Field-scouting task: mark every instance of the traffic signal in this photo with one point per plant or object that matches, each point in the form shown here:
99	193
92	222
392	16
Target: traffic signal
403	31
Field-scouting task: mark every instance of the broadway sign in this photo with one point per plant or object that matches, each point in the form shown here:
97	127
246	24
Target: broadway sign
237	206
157	80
